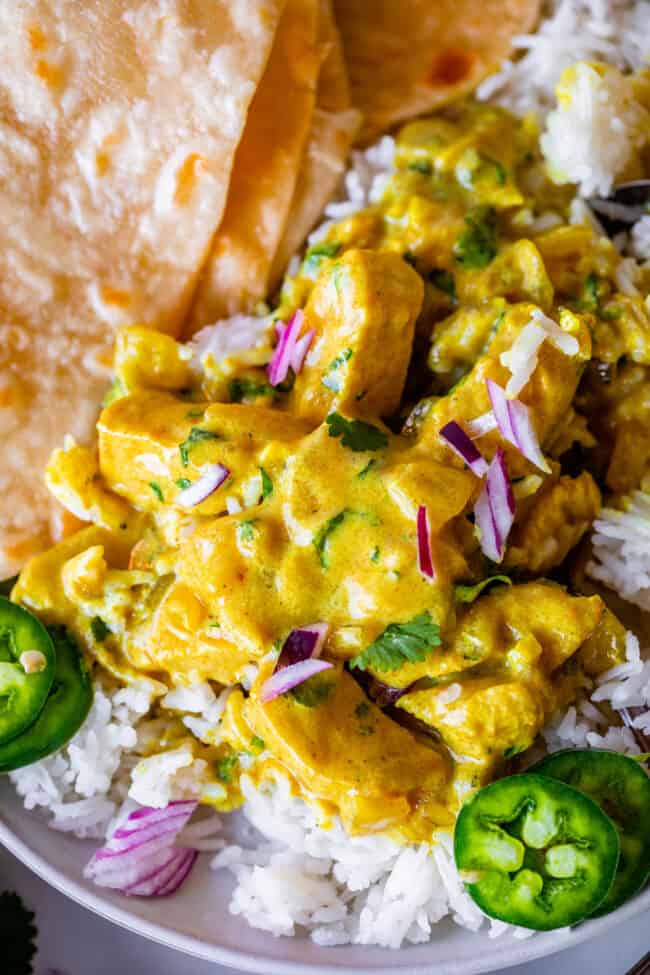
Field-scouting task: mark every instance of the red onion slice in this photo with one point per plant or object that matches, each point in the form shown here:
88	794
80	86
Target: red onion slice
425	558
461	444
515	425
212	478
283	680
495	509
140	858
300	350
483	424
281	359
301	644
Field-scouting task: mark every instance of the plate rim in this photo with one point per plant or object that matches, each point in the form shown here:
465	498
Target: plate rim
512	953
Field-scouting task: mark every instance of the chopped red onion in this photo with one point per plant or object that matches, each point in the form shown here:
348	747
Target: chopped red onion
283	354
484	423
301	644
283	680
514	423
212	478
461	444
425	558
140	858
300	350
495	509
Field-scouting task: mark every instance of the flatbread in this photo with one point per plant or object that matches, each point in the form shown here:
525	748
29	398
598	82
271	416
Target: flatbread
334	126
406	57
118	127
236	276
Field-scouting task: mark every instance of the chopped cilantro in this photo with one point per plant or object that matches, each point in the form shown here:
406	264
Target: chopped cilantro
366	470
225	767
157	490
375	555
117	391
477	245
420	166
257	744
500	174
356	434
213	621
17	933
195	414
314	256
183	483
267	484
312	692
444	281
246	530
322	536
467	594
334	382
514	750
400	643
239	389
99	629
589	299
196	435
340	359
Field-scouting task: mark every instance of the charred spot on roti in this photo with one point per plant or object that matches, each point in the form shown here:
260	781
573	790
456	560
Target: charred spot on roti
451	67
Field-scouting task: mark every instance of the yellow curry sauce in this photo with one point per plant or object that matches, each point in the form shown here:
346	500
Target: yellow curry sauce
414	301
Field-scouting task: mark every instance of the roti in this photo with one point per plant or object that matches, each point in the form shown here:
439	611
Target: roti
237	274
119	123
334	126
410	57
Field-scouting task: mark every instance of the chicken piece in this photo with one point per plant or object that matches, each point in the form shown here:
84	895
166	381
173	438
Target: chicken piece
517	273
362	310
553	525
483	721
152	445
345	750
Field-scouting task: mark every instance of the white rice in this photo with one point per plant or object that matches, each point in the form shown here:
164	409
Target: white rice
614	31
298	874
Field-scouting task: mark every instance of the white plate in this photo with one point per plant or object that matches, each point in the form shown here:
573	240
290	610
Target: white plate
197	920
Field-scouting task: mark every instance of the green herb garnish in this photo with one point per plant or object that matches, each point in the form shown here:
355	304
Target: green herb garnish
356	434
500	174
400	643
183	483
375	555
225	767
334	382
196	435
195	414
467	594
477	245
239	389
420	166
117	391
589	299
257	744
157	490
267	484
363	474
99	629
314	256
323	535
312	692
246	529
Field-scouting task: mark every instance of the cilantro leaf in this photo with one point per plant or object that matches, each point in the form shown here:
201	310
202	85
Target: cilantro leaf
196	435
157	490
246	529
477	245
117	391
257	744
420	166
267	484
356	434
322	536
17	934
333	382
467	594
225	767
314	257
400	643
183	483
239	389
314	691
99	629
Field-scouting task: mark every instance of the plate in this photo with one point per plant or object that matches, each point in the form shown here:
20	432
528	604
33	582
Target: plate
202	926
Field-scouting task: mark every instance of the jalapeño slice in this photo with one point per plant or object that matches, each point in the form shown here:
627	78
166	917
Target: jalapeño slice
622	789
65	709
27	660
542	854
